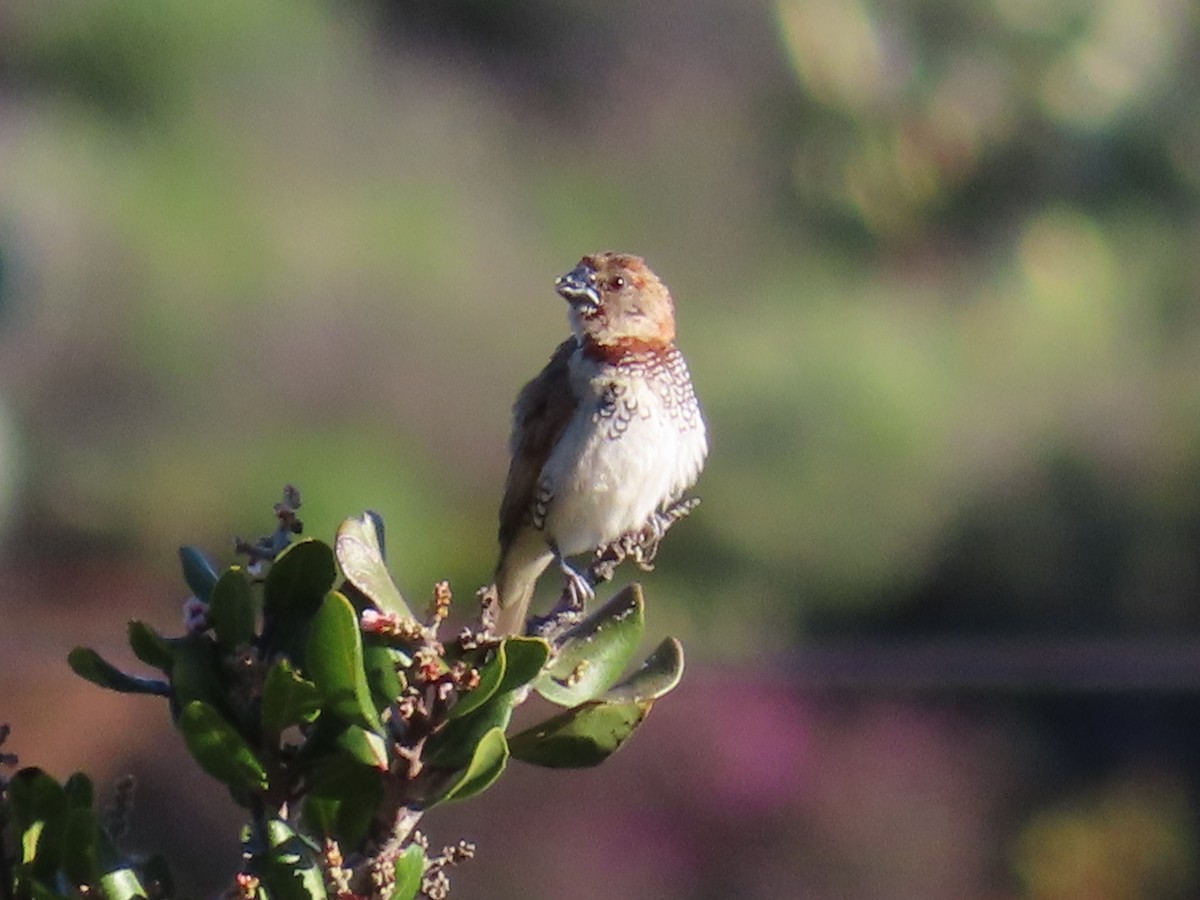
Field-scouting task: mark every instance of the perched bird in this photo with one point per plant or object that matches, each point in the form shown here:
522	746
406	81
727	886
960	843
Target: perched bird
605	439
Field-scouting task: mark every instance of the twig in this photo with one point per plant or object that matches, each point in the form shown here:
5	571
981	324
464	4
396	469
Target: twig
641	546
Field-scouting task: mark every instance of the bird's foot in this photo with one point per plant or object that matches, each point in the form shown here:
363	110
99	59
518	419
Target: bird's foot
578	588
571	606
641	545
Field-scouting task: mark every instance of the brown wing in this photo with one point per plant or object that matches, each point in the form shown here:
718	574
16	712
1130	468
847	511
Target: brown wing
541	413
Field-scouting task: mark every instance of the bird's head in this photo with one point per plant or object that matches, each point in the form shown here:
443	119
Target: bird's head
618	304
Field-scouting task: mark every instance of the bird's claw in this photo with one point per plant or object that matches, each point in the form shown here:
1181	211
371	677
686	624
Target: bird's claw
578	589
641	545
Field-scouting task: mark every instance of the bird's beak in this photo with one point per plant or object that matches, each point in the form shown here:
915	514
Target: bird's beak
579	288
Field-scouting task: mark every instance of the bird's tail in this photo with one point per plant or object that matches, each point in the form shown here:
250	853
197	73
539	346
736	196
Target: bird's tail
515	581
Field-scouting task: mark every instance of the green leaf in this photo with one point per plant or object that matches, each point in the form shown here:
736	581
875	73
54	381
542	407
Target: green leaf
198	572
90	665
526	658
342	799
319	815
35	795
659	675
490	676
80	856
195	672
410	870
299	579
79	791
232	611
516	662
580	737
291	871
149	646
39	806
487	764
117	880
219	749
364	746
335	663
593	654
121	883
360	553
453	746
380	662
37	850
288	698
358	802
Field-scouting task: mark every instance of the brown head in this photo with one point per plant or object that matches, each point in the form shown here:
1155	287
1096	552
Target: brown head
618	304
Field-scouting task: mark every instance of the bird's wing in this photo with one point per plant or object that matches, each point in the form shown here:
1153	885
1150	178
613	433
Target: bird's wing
540	415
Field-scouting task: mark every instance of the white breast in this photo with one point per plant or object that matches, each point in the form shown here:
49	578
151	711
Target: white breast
636	443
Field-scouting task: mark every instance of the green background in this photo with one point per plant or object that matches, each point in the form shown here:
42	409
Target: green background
934	264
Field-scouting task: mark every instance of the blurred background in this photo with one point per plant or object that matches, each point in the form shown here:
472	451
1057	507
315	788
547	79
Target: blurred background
934	263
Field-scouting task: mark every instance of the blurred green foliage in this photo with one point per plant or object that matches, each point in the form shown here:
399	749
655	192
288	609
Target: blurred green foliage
919	249
933	263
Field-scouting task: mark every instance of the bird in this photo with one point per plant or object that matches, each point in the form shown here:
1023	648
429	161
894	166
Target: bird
605	440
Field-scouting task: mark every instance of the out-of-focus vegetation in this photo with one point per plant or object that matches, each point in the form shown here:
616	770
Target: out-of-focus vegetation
934	269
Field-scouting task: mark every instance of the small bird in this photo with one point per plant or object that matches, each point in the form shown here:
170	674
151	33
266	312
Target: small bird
605	439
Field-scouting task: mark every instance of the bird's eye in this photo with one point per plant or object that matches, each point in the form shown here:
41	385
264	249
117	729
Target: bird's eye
616	283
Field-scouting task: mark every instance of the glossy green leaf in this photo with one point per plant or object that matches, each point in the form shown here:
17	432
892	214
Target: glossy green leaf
121	883
299	578
335	663
219	749
149	646
291	871
516	662
288	698
526	657
490	677
37	849
487	764
659	675
593	654
115	870
360	553
580	737
90	665
198	572
365	746
232	611
380	662
454	745
410	870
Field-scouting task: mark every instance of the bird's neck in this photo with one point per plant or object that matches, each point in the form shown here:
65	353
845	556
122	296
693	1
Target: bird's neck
624	350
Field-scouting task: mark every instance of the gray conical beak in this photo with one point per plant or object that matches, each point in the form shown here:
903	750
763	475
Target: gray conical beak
579	288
